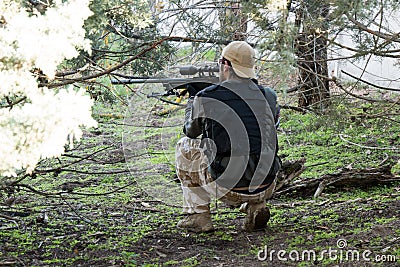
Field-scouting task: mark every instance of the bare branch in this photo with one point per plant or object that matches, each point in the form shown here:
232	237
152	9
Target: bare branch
388	37
337	82
110	70
369	83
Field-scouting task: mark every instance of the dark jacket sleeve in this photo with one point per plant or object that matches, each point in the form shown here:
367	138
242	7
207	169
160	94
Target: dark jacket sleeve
271	97
193	126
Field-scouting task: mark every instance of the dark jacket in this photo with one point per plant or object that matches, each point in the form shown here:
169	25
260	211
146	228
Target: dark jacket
237	122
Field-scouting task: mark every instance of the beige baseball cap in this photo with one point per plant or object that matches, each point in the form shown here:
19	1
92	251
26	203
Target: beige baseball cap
241	55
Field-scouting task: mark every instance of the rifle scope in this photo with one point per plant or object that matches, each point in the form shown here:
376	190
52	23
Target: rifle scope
192	70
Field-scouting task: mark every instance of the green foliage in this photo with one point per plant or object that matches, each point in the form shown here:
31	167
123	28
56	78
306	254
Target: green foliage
339	138
118	31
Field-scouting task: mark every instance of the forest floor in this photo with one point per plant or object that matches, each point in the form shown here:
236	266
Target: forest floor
101	203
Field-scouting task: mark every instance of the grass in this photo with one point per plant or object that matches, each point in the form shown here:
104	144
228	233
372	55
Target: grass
334	140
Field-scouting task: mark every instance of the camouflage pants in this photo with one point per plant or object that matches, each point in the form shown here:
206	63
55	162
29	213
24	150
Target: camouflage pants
197	184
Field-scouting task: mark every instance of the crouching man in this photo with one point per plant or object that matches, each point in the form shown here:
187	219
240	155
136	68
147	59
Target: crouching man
236	158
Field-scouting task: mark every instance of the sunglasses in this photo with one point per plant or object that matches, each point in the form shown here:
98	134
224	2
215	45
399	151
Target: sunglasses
222	61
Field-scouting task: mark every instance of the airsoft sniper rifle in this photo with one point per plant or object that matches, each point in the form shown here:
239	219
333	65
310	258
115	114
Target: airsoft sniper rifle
179	86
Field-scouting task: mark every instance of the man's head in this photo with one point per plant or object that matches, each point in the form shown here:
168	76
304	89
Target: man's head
240	56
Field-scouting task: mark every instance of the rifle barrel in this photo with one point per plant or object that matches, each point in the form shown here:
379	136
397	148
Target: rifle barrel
147	80
172	81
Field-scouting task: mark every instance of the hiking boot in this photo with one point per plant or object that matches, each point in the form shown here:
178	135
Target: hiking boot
257	216
198	222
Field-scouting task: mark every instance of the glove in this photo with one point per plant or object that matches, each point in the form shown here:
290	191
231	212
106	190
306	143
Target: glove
194	87
191	90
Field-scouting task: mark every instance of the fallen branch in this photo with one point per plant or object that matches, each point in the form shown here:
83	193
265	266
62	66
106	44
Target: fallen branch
7	263
357	178
289	171
299	109
7	217
368	147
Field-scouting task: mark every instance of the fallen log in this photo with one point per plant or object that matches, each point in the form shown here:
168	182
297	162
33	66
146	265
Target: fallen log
290	170
346	178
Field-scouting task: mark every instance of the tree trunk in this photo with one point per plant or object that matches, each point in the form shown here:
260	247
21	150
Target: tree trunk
233	21
311	50
313	71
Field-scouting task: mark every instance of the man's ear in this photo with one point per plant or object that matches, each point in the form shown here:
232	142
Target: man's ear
226	67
